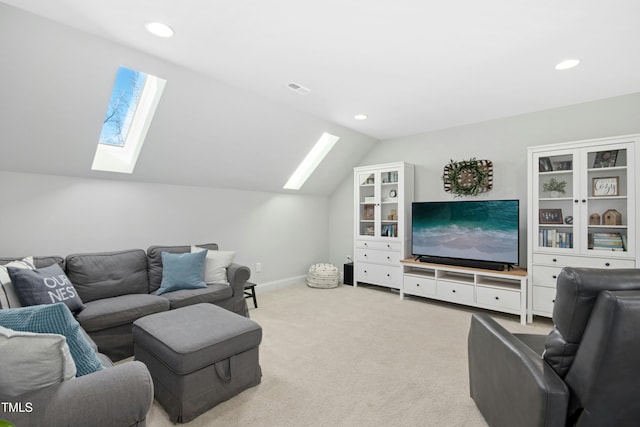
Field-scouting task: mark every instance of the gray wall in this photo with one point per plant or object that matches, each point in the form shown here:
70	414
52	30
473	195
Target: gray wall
502	141
46	214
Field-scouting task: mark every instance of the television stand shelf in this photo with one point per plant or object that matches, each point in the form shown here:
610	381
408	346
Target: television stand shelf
504	291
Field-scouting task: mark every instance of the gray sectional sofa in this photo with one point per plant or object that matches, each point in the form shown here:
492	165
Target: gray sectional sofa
117	288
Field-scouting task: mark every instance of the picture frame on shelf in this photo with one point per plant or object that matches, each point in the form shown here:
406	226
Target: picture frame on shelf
605	186
550	216
369	212
605	159
544	164
565	165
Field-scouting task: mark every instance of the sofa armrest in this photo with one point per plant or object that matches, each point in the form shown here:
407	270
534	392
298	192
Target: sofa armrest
510	383
238	275
118	396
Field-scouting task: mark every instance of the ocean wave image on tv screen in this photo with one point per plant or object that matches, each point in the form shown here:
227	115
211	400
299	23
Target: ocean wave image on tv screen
486	230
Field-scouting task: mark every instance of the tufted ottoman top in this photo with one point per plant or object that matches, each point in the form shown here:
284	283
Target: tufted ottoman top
190	338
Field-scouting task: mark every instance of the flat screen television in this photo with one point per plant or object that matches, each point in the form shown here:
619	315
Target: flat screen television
481	233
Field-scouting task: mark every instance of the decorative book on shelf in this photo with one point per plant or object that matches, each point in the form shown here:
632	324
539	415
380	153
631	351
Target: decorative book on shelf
607	241
552	238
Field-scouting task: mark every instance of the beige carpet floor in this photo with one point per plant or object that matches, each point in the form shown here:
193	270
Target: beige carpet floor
356	357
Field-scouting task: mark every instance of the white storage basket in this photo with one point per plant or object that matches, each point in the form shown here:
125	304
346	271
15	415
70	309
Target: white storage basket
323	276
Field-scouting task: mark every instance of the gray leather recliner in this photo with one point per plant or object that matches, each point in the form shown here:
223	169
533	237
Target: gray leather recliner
585	373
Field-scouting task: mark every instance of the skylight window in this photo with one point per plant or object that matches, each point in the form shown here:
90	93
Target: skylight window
311	161
133	103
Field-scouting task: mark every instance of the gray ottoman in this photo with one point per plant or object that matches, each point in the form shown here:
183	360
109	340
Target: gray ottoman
198	356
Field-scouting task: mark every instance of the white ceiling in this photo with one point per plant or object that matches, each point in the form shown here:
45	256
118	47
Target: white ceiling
412	66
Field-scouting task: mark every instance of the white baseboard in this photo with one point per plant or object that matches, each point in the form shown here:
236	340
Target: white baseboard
279	284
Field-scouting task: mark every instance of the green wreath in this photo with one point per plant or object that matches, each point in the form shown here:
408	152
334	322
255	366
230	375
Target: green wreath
468	177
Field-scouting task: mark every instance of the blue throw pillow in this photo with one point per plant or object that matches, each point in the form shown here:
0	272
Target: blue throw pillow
54	319
182	271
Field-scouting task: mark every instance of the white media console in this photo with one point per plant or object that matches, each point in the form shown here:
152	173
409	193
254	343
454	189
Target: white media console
504	291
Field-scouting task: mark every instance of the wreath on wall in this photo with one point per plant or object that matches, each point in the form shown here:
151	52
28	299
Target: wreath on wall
468	177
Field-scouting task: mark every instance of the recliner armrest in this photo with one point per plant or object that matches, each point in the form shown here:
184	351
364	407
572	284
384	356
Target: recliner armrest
510	383
118	396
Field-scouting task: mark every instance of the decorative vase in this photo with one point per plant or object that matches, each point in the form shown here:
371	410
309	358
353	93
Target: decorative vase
554	194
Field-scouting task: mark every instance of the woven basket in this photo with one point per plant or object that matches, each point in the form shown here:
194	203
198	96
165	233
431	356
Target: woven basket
323	276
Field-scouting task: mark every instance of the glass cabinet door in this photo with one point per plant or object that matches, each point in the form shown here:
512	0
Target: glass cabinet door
389	204
367	201
558	189
605	202
378	203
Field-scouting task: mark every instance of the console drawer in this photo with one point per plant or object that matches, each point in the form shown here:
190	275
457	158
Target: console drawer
543	275
420	286
498	298
376	256
543	299
578	261
378	246
376	274
455	292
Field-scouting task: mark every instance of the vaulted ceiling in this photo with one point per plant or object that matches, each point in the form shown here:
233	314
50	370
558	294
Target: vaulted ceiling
228	119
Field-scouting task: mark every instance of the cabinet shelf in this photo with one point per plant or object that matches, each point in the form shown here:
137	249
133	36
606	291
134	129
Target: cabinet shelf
556	199
562	172
455	277
607	198
415	272
612	169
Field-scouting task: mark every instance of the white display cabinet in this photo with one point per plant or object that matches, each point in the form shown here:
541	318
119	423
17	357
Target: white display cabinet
383	196
590	222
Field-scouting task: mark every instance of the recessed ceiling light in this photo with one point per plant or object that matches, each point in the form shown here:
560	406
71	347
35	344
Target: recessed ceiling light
567	63
360	117
159	29
299	89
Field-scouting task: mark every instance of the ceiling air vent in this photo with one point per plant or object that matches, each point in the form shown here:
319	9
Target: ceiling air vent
301	90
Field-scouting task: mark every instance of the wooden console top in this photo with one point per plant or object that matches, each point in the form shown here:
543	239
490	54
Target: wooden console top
515	271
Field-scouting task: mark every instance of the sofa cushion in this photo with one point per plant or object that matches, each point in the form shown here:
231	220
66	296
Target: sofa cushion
211	294
108	274
54	319
121	310
154	260
182	271
32	361
106	362
47	285
38	261
215	270
8	296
